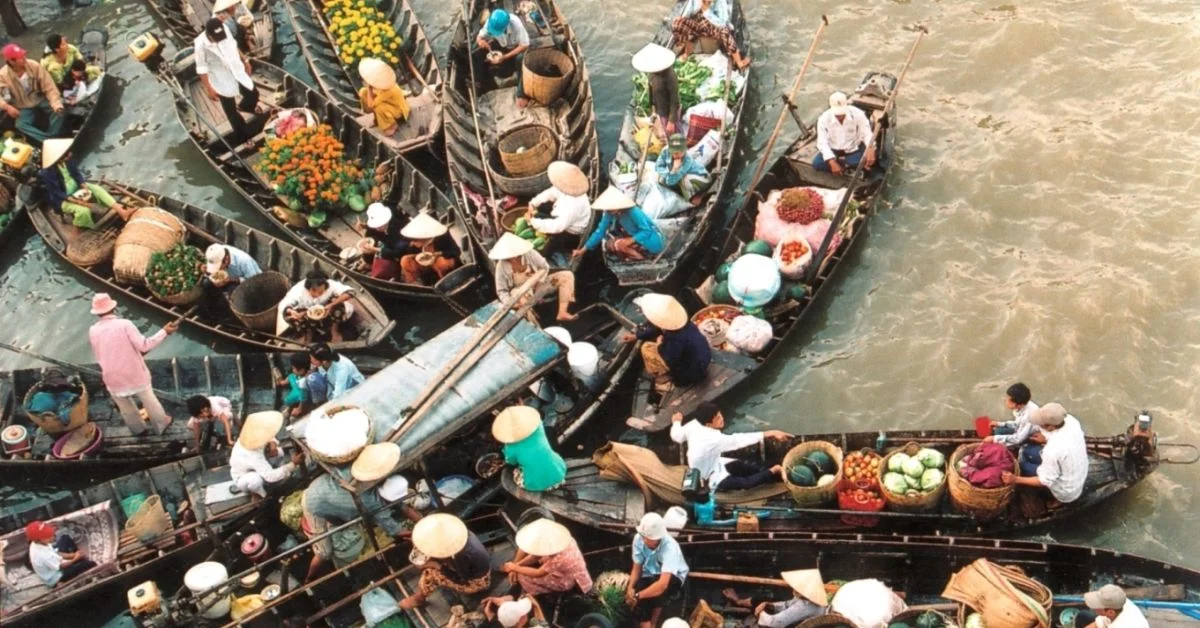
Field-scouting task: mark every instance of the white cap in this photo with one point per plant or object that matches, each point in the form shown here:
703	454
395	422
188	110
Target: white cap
215	256
512	611
652	526
675	622
378	215
394	488
839	104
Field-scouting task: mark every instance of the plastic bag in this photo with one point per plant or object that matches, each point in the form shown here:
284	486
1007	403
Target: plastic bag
705	151
814	232
710	109
867	603
754	280
377	605
661	203
749	334
792	262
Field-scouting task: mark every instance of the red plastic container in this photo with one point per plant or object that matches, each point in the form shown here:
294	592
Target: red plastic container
848	501
699	126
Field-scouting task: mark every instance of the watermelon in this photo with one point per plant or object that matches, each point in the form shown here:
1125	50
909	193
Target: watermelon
797	292
757	247
722	273
520	225
801	475
539	243
356	203
757	312
720	293
821	462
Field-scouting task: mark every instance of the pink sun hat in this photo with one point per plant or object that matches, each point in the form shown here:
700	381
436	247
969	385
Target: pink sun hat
102	304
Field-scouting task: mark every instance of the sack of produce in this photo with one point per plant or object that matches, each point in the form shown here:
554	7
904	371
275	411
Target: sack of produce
867	603
705	151
661	202
974	479
647	140
812	472
768	227
174	276
792	255
814	232
754	280
338	434
750	334
913	478
800	205
150	230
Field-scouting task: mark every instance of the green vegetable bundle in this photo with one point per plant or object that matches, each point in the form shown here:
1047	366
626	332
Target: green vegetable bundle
176	271
522	229
691	76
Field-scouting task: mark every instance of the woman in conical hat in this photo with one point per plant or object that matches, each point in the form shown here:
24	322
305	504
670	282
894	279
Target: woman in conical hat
432	252
711	19
642	238
457	559
657	63
675	352
516	262
381	96
809	600
539	467
68	191
548	560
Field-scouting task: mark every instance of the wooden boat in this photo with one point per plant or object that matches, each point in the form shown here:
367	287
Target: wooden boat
12	213
1116	464
794	168
684	232
477	119
405	189
370	323
95	518
186	19
418	70
917	566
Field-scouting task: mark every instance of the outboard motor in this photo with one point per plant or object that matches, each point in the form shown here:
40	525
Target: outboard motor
1141	441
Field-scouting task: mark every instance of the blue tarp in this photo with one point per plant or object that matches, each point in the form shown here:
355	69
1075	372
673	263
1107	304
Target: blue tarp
517	360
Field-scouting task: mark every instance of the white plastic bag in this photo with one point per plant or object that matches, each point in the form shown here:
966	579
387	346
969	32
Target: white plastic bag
749	334
710	109
705	151
792	268
867	603
661	203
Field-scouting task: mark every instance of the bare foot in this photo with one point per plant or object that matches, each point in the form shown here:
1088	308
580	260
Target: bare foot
567	316
522	102
742	63
732	597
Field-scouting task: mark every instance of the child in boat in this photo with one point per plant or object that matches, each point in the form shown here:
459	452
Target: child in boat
1014	433
205	410
54	557
306	386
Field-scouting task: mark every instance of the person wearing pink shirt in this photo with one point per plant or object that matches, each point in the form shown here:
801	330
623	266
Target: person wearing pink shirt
119	347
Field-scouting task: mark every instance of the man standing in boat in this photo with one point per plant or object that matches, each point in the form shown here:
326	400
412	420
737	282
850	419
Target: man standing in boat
502	42
843	137
706	442
120	349
225	73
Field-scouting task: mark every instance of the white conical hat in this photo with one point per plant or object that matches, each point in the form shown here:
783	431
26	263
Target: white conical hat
612	199
568	178
808	583
440	535
376	73
53	150
653	58
663	311
222	5
515	424
510	245
423	227
543	538
375	462
260	428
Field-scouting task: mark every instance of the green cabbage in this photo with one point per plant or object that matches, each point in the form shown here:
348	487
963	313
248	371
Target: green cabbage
932	458
931	479
913	467
896	462
913	483
895	483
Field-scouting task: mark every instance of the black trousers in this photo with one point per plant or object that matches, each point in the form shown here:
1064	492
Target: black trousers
745	474
233	112
644	611
66	544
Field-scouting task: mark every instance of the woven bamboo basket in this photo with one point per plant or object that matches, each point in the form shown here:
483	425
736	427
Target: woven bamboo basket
48	422
812	496
920	502
92	248
547	73
990	589
349	456
982	503
150	230
828	619
537	147
187	297
150	521
517	186
255	300
509	218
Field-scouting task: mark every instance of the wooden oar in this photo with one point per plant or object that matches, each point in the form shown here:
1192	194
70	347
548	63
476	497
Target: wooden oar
722	577
787	103
78	367
856	178
487	177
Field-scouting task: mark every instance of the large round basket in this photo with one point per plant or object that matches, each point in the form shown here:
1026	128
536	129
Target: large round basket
827	620
517	186
508	219
150	230
922	501
547	73
48	421
910	617
187	297
255	300
982	503
812	496
91	248
348	456
527	150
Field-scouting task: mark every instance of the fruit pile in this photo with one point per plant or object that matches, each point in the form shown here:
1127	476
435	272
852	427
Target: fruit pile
792	251
800	206
176	271
525	231
862	465
309	170
361	30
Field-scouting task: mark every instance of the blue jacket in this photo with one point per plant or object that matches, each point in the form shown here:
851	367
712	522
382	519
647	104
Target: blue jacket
55	187
686	352
636	223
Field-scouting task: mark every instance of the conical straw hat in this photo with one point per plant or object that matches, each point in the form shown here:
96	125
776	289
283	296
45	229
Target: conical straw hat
260	428
423	227
663	311
376	73
375	462
509	246
440	535
808	583
612	199
653	58
568	178
53	150
515	424
543	538
221	5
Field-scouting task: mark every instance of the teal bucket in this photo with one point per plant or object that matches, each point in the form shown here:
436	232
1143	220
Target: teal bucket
131	504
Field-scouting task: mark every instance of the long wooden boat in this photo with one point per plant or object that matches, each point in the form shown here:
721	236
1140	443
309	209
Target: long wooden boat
919	567
590	497
95	518
417	71
405	189
686	231
794	168
12	213
475	122
369	325
186	19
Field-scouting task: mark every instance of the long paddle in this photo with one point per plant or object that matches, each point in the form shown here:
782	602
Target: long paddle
788	99
483	160
77	367
856	178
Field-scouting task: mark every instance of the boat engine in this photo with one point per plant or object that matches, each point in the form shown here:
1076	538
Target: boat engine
1140	440
147	608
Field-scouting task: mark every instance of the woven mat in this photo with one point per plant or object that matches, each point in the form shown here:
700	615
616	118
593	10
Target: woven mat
641	467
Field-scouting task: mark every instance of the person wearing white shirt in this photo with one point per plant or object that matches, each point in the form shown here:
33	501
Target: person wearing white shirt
1014	433
562	212
1064	465
54	557
225	73
1111	609
249	467
705	444
508	39
843	137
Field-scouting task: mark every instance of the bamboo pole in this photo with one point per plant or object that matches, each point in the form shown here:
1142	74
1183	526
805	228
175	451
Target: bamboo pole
721	577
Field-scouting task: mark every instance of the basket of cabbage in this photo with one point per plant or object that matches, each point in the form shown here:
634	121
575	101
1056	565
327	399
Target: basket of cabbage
913	478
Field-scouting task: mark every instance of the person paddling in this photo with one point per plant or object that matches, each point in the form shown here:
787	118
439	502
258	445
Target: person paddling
119	349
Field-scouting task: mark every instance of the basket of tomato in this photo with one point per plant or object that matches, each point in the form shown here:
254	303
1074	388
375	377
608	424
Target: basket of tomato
859	489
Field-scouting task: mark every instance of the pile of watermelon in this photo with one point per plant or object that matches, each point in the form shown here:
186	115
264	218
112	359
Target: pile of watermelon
720	293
